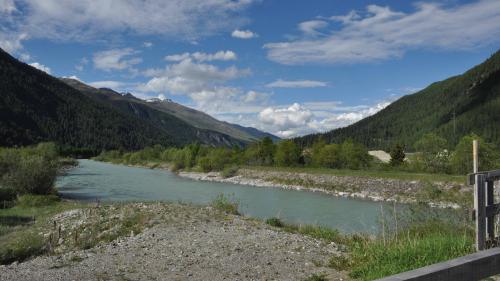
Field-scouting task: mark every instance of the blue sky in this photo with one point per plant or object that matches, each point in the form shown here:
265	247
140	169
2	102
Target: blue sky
288	67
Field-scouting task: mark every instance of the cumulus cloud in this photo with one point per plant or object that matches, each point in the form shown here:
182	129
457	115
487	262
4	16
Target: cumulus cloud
311	27
86	20
200	56
203	83
296	84
243	34
381	33
12	42
40	67
147	44
313	117
116	59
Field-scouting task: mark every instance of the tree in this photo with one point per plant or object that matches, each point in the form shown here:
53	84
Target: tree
397	155
461	159
287	153
433	153
330	156
354	155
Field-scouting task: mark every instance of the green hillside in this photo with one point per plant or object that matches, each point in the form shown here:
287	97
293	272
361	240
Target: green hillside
35	107
460	105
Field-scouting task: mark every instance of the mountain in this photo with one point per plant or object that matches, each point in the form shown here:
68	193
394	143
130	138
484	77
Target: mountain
457	106
35	107
154	107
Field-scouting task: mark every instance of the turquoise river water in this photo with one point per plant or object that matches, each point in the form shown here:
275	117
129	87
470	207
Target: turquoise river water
93	180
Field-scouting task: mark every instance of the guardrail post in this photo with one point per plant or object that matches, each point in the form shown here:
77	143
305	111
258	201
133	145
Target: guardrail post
490	201
480	208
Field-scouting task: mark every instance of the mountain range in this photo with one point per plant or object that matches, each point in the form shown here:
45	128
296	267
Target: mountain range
458	106
35	107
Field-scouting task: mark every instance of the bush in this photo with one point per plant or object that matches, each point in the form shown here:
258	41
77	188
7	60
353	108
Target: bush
225	204
23	246
29	200
29	170
275	222
230	172
461	159
397	155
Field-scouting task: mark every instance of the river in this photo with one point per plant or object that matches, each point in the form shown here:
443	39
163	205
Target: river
93	180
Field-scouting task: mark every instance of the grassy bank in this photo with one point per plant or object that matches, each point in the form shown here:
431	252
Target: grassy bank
373	173
22	226
420	239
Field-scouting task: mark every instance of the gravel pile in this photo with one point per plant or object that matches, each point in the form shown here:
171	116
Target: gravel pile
187	243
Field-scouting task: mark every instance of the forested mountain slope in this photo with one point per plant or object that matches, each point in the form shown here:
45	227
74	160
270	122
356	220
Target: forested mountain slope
154	108
460	105
35	107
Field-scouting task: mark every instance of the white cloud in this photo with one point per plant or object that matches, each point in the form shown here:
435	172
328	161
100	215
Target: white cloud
381	33
147	44
311	27
87	20
243	34
74	77
287	119
40	67
296	84
255	97
7	6
116	59
199	56
111	84
12	42
312	117
81	65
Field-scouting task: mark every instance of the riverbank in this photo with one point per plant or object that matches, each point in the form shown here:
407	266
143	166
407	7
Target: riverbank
436	194
441	191
137	241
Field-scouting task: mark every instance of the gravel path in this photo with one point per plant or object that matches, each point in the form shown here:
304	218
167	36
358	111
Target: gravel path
189	243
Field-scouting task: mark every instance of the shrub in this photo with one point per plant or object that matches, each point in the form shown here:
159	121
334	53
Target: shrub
230	172
461	159
30	200
275	222
397	155
29	170
24	245
225	204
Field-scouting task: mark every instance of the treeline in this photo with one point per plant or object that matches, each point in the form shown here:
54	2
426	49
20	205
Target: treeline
29	170
434	156
263	153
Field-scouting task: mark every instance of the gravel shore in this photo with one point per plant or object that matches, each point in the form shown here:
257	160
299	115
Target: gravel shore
375	189
185	243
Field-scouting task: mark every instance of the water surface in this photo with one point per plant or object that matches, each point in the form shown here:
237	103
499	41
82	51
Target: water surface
93	180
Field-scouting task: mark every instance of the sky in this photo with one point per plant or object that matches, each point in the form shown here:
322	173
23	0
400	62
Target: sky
288	67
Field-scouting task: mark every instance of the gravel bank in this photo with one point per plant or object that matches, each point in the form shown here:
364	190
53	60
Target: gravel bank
185	243
376	189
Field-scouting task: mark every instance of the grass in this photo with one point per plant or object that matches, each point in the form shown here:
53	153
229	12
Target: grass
20	236
421	239
373	173
417	247
226	204
316	277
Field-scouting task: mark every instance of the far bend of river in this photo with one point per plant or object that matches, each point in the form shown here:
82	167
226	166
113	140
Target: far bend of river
93	180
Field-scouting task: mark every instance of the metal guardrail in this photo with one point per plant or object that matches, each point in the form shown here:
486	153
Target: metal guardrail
472	267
